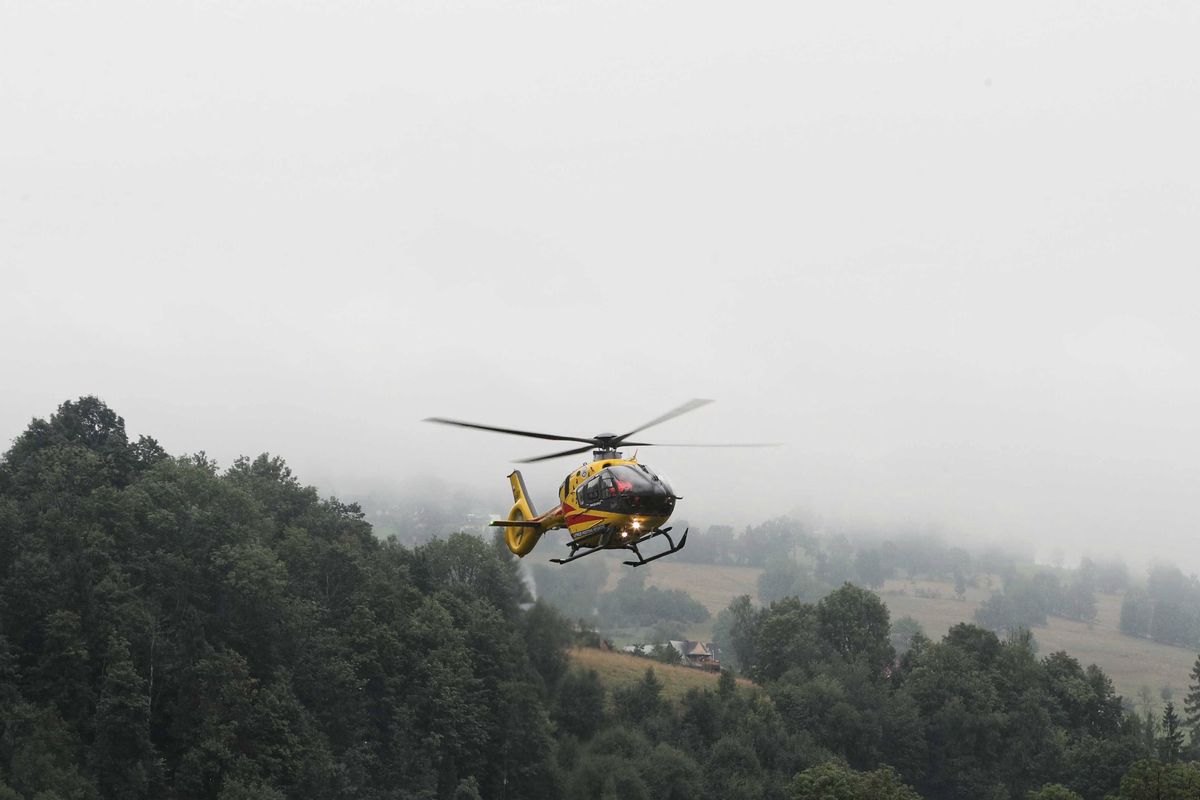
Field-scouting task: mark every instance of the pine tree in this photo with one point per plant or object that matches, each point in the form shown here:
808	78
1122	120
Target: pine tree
1191	705
123	755
726	685
1148	730
1171	742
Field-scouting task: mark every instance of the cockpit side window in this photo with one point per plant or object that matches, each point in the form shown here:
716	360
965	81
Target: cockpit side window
589	493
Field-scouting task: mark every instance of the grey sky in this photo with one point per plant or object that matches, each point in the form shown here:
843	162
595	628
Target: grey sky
947	253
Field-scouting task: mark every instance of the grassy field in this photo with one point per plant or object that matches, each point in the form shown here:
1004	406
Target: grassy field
622	669
1131	663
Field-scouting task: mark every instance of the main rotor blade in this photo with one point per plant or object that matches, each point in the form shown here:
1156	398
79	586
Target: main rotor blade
690	405
556	455
679	444
514	432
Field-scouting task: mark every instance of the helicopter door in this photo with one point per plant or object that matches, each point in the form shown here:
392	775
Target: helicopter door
595	491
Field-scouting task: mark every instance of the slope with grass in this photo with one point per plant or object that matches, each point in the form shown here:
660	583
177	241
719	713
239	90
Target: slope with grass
621	669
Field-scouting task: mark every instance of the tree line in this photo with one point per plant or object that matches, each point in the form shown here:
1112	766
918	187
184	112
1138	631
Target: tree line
1166	609
172	629
168	629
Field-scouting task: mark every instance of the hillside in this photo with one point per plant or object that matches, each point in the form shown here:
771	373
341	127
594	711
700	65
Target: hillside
169	629
1131	662
618	669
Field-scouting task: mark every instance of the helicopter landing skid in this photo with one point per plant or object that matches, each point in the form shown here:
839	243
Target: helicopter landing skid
674	548
575	556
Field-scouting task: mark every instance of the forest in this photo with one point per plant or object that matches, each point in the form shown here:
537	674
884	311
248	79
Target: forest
169	628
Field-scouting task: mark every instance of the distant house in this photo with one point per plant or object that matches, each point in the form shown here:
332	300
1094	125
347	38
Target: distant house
703	655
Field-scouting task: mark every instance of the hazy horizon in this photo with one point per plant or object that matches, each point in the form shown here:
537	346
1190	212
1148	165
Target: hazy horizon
947	256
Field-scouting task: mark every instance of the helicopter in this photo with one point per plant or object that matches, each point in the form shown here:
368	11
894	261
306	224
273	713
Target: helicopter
610	503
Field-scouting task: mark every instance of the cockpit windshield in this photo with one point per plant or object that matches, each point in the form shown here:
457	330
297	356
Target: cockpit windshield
627	490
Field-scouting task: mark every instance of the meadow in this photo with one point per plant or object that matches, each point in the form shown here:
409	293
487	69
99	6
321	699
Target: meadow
622	669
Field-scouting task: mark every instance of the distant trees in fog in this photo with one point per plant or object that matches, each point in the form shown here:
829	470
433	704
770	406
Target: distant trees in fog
1028	599
1166	609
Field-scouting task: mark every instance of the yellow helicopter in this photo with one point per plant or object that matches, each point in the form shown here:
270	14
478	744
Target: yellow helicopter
611	503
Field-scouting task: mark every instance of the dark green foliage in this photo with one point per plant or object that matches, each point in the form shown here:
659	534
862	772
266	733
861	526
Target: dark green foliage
833	781
1093	765
784	638
600	776
1170	744
1191	705
640	700
734	632
547	636
733	770
972	716
42	755
579	705
672	774
123	757
1053	791
1154	780
167	630
468	789
854	622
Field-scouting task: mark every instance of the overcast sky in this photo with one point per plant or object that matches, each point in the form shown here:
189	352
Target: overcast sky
948	254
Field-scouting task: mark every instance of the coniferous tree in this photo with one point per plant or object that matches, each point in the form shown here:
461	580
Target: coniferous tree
579	710
122	752
1170	744
1191	705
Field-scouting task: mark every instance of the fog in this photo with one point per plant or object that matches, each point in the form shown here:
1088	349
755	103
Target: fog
946	255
